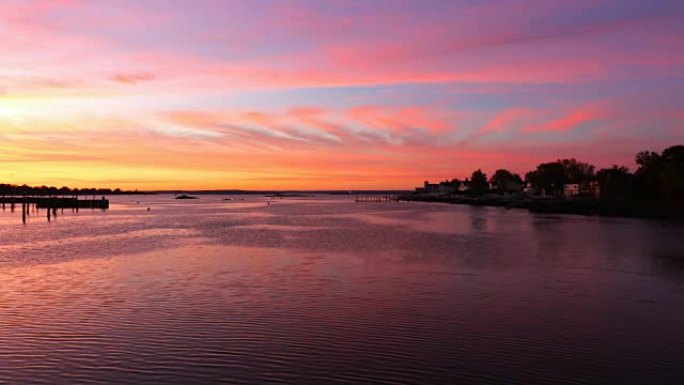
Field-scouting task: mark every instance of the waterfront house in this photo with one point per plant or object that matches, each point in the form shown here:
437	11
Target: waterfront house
430	188
571	189
442	188
587	189
531	190
594	189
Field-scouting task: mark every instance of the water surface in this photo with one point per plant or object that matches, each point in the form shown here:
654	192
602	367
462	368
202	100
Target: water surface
326	291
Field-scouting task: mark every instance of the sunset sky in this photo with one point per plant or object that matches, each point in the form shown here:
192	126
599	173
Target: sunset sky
265	94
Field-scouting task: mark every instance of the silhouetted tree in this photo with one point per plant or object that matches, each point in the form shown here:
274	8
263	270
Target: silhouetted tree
576	171
649	175
615	182
504	180
672	177
478	183
9	189
552	176
658	180
548	176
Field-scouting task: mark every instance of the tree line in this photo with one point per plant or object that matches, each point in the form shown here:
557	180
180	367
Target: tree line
16	190
659	177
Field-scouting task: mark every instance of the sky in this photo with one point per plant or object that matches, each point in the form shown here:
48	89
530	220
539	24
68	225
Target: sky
335	94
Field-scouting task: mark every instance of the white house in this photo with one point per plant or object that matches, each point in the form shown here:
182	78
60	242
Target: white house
571	189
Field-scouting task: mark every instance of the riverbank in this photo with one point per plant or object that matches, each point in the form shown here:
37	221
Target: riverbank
578	206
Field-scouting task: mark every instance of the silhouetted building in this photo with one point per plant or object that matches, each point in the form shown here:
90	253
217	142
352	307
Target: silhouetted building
442	188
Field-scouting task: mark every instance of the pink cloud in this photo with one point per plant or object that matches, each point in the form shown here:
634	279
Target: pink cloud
429	51
504	120
132	78
398	119
565	123
434	55
571	117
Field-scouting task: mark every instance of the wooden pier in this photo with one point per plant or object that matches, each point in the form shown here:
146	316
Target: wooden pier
366	198
58	202
31	205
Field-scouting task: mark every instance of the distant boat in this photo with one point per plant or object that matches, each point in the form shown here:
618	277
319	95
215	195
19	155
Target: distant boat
184	196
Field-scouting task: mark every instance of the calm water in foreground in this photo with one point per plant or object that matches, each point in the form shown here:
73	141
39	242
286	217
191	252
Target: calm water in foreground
326	291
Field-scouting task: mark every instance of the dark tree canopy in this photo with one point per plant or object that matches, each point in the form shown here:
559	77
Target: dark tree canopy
10	189
672	176
553	176
504	180
455	183
478	182
501	175
615	183
648	175
576	171
658	181
548	176
659	177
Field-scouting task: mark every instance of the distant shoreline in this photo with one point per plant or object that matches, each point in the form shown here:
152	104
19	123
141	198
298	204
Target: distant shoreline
293	193
578	206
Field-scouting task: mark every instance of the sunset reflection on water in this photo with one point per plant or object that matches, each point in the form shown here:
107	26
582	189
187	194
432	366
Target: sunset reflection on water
325	290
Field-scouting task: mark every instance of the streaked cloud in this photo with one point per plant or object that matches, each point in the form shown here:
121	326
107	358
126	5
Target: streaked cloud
132	78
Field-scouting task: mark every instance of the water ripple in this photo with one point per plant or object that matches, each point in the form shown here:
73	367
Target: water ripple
328	292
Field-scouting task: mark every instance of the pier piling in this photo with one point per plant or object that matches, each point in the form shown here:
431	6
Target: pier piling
52	204
364	198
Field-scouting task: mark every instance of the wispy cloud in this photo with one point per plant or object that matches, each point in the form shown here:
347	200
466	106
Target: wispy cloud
132	78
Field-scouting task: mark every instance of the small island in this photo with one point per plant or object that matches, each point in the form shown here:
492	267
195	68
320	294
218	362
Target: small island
185	196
